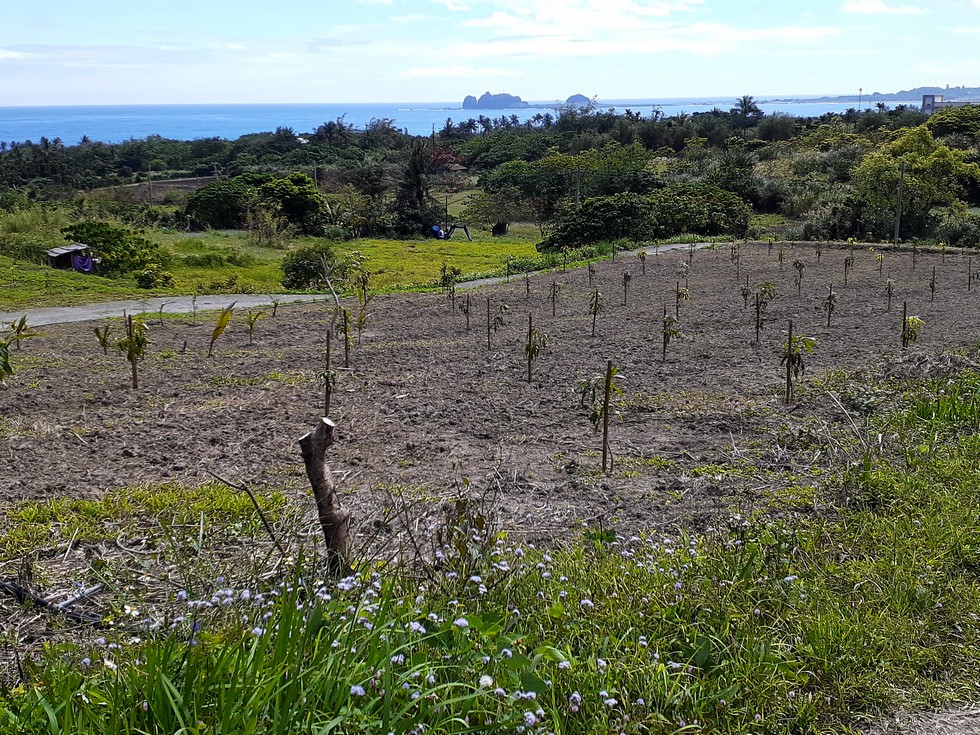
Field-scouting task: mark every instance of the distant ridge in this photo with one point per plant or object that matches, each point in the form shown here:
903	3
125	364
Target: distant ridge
906	95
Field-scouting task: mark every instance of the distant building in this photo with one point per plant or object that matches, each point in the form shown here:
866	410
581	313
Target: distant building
933	102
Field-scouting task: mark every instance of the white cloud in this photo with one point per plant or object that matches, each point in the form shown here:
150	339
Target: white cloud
880	7
6	54
457	72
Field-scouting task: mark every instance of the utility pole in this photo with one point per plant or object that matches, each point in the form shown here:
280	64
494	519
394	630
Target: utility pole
898	209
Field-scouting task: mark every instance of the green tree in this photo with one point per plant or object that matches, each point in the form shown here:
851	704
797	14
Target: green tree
119	249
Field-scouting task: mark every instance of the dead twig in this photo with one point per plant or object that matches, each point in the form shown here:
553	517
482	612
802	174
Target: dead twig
265	522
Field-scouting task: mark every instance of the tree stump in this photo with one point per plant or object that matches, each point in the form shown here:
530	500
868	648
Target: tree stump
334	520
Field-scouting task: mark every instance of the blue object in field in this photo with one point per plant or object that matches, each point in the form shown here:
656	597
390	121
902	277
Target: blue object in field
437	232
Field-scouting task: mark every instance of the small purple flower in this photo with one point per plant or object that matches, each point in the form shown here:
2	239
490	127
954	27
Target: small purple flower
357	691
587	604
461	623
86	662
564	665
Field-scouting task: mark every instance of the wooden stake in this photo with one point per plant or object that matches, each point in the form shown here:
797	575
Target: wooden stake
326	380
529	332
789	364
605	419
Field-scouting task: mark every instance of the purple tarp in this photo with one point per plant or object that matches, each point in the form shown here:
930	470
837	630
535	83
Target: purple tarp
82	263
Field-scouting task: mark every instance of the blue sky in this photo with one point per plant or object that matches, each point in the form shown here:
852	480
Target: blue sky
183	51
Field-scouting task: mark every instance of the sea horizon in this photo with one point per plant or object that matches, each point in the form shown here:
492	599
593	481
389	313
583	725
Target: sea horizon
118	123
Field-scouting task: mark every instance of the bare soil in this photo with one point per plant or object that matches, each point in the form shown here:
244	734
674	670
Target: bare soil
425	404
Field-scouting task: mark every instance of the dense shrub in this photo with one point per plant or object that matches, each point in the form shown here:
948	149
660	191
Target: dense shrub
120	250
306	267
221	205
698	209
154	276
601	219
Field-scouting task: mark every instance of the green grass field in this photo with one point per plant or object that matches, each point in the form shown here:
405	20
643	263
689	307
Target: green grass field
227	262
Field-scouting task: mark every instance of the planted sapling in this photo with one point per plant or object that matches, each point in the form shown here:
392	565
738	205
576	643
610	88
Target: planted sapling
910	327
793	352
880	259
494	321
553	293
669	330
103	336
942	250
746	293
680	294
595	307
536	342
800	267
932	285
20	331
889	292
527	285
830	302
133	344
819	250
763	296
252	320
627	276
328	378
224	318
591	274
364	300
642	257
275	301
683	272
781	256
848	264
348	337
770	244
465	308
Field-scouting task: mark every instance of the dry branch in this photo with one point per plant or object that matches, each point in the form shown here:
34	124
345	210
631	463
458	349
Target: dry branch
334	521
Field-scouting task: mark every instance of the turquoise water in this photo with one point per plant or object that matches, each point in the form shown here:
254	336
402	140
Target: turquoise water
113	124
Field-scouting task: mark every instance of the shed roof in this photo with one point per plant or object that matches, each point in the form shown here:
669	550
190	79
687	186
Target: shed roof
64	249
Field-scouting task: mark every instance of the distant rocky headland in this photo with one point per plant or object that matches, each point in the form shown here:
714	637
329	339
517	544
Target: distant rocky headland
504	101
487	101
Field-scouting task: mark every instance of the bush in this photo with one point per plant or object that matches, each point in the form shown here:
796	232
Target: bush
121	250
601	219
154	276
698	209
305	267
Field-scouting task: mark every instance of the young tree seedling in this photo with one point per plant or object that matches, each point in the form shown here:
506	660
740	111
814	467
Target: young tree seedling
252	319
612	251
536	342
848	264
224	318
364	300
763	296
793	352
328	378
494	321
20	331
915	254
348	337
595	307
553	293
830	302
690	254
910	327
683	272
103	336
642	257
942	250
669	330
969	274
527	285
746	292
932	285
133	344
275	301
889	292
564	259
591	274
465	308
800	267
819	251
680	294
627	277
781	256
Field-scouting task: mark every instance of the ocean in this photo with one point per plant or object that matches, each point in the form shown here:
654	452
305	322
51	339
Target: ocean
114	124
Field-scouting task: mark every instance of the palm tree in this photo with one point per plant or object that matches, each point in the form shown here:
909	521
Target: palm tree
745	106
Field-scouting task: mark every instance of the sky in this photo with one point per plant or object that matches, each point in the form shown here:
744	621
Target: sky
102	52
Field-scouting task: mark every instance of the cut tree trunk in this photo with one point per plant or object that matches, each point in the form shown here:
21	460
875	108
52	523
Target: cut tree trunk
334	520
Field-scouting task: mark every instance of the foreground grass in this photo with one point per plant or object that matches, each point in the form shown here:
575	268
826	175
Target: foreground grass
755	627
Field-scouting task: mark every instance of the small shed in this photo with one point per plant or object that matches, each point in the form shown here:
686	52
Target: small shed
76	256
